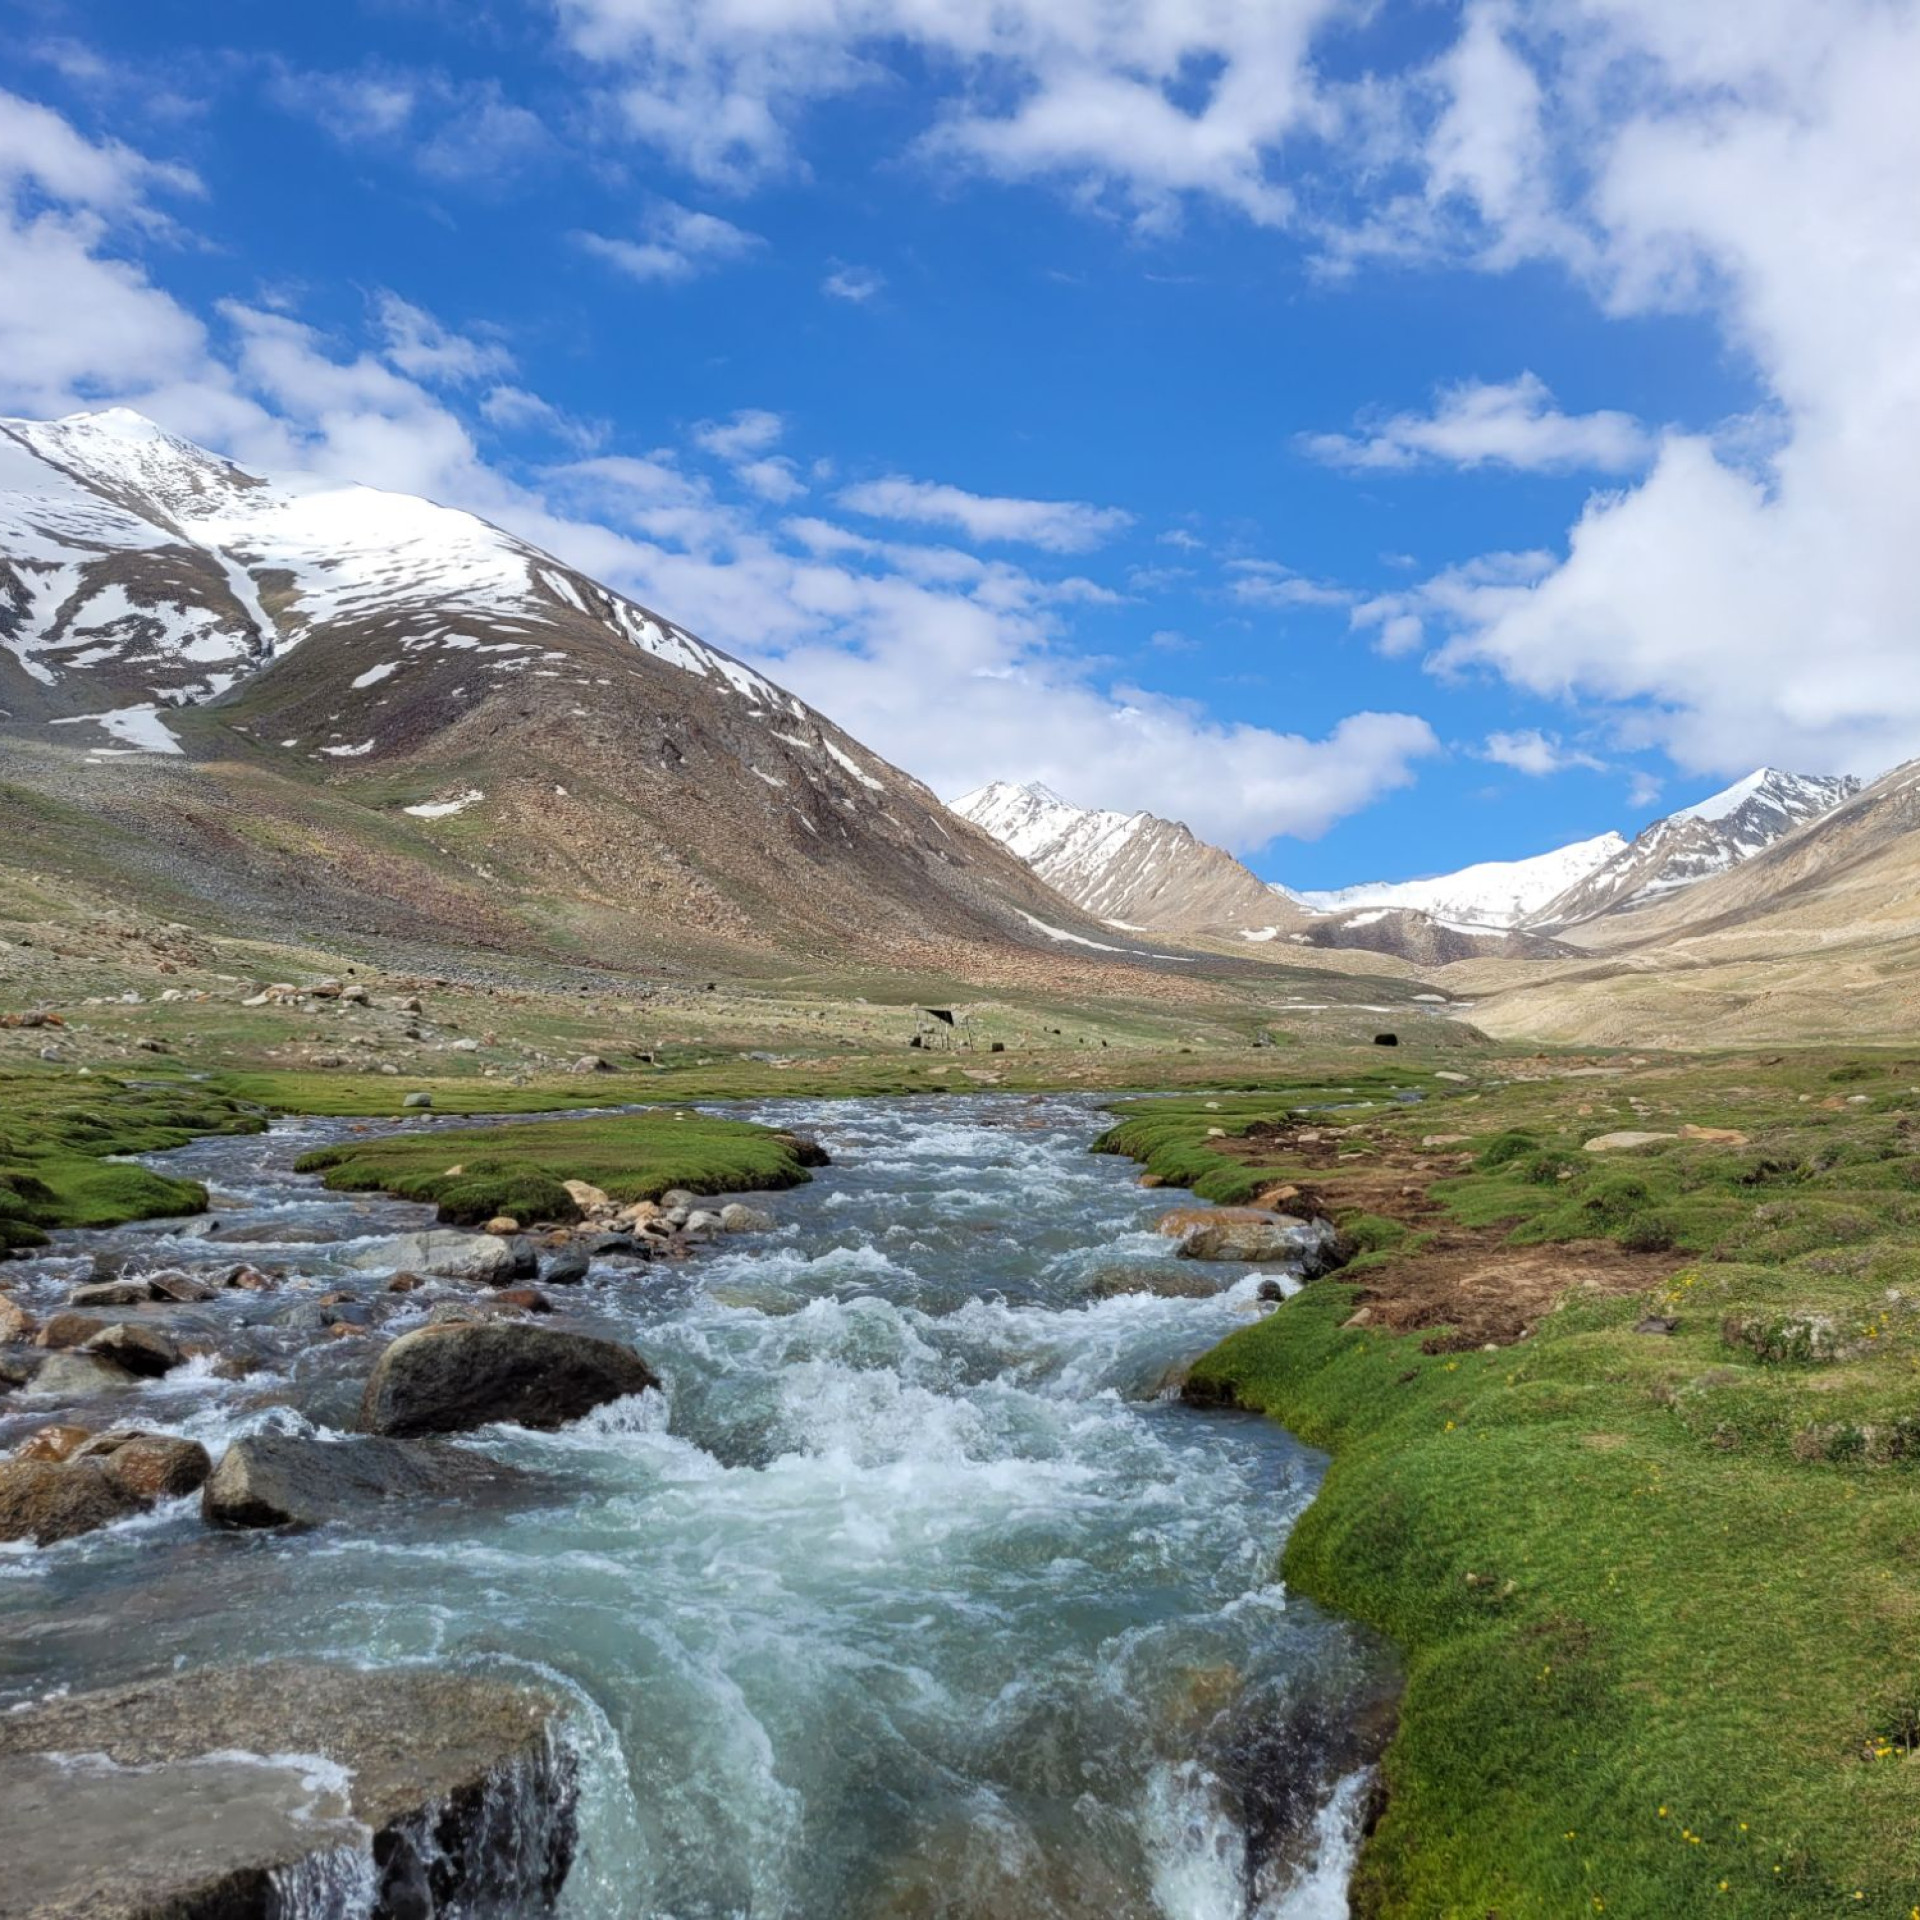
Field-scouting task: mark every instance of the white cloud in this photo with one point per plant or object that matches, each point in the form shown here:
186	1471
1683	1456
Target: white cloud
1508	424
1266	583
1147	101
857	284
1060	526
677	243
455	131
419	344
749	432
1752	598
1535	753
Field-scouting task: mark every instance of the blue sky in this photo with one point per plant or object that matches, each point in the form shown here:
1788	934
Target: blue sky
1385	438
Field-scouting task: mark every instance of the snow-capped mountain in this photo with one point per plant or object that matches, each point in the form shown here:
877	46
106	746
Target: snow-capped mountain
1129	869
1698	842
322	702
1494	893
1134	870
137	563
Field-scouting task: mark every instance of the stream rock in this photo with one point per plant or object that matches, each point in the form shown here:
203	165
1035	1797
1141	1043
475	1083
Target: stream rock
74	1375
1249	1234
155	1466
444	1254
1155	1278
49	1500
450	1378
144	1351
405	1793
292	1480
16	1323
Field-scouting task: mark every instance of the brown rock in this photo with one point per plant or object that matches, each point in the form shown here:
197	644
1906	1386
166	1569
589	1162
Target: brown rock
405	1283
527	1299
501	1223
16	1323
247	1279
1715	1136
48	1500
68	1330
1150	1180
181	1287
152	1465
52	1443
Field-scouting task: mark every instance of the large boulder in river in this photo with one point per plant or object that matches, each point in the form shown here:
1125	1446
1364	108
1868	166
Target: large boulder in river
482	1259
48	1500
447	1379
287	1787
1249	1234
293	1480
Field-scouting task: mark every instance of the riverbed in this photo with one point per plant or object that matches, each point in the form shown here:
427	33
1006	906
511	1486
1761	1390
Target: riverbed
917	1593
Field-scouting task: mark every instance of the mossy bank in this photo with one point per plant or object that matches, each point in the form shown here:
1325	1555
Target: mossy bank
60	1133
1651	1556
474	1174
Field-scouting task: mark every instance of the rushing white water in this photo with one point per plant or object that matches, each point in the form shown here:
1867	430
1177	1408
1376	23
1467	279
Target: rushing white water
917	1595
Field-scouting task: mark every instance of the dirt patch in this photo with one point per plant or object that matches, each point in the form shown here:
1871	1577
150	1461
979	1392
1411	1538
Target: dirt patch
1476	1292
1464	1283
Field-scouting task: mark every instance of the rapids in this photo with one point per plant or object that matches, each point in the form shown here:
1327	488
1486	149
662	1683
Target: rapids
918	1594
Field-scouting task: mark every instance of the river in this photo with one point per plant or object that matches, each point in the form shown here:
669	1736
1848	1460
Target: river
917	1594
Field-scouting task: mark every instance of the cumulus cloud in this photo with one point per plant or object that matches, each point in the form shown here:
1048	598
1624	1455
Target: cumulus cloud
1752	597
1060	526
1514	423
676	243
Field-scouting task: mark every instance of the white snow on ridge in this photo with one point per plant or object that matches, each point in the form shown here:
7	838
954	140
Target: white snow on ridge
76	492
440	809
1495	893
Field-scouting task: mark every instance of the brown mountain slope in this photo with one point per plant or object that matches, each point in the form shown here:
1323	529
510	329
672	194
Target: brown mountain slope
402	716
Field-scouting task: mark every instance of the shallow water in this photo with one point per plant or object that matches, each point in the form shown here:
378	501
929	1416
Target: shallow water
916	1595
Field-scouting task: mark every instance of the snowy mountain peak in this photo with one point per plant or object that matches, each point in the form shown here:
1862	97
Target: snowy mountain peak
1130	869
1699	841
1494	893
138	568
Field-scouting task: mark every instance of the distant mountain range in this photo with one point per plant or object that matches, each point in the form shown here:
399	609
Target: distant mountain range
1141	871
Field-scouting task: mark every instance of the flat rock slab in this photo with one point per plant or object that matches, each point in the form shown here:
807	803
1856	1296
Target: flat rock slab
290	1480
1625	1141
445	1254
403	1793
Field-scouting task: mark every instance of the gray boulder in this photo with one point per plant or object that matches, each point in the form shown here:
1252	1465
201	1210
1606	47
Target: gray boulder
737	1217
144	1351
48	1500
70	1375
481	1259
453	1793
449	1379
567	1268
291	1480
111	1293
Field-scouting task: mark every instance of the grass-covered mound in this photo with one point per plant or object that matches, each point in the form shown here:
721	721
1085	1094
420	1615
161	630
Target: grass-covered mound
472	1174
1656	1591
57	1129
